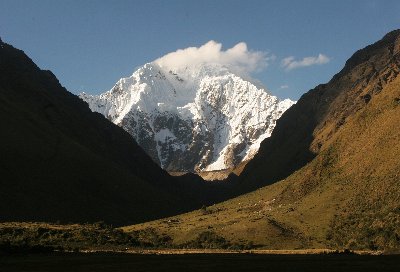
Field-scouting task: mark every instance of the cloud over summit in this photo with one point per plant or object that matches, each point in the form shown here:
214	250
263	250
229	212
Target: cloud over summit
238	58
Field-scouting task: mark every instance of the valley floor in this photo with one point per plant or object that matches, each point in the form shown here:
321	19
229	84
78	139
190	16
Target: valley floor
198	262
170	251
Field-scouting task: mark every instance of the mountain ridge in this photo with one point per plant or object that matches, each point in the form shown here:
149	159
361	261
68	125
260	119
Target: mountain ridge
211	118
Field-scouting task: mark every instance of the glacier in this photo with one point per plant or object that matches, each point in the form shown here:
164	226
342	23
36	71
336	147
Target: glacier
203	117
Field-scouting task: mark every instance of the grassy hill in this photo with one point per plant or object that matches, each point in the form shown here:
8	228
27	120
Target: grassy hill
336	154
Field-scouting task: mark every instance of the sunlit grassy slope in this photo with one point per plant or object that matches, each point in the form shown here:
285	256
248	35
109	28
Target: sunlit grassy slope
347	195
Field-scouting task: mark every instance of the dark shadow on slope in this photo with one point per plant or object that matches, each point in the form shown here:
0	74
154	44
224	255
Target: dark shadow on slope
289	147
60	161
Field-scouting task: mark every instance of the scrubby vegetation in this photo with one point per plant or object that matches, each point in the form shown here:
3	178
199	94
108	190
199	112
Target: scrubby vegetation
208	239
211	240
40	237
361	230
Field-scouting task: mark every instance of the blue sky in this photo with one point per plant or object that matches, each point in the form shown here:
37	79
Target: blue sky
89	45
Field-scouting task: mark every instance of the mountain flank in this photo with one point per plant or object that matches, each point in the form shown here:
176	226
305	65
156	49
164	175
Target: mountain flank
310	124
61	162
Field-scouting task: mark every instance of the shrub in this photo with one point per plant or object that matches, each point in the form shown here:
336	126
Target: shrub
208	239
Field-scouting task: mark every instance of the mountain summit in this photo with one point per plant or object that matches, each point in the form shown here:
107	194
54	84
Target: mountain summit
201	117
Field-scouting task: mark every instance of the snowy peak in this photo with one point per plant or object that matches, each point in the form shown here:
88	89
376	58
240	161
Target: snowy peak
202	117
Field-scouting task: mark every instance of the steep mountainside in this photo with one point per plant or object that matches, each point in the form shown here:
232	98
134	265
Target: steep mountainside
343	138
193	119
308	127
60	161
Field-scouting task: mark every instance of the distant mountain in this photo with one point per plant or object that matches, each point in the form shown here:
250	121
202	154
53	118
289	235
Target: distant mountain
197	118
61	161
333	162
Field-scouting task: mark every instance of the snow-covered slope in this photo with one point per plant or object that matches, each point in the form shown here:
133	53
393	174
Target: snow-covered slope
198	118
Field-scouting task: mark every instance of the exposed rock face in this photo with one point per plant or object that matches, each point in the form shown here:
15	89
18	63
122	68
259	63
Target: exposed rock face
195	119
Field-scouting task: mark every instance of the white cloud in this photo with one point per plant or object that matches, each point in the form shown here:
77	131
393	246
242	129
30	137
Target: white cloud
237	58
284	87
291	63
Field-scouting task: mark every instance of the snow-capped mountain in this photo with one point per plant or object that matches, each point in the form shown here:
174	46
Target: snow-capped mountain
195	118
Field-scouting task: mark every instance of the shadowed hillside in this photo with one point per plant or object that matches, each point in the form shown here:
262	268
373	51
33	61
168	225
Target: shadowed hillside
60	161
